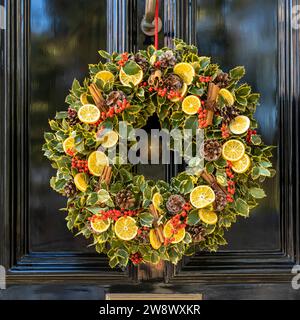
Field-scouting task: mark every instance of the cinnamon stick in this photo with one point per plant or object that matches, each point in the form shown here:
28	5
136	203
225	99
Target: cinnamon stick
213	91
158	229
97	97
108	175
211	180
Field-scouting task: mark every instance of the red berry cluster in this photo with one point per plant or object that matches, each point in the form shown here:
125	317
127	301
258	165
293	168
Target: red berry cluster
163	92
124	59
202	116
70	152
121	106
157	64
81	165
143	232
250	133
115	214
205	79
225	131
136	258
179	221
143	84
231	184
96	124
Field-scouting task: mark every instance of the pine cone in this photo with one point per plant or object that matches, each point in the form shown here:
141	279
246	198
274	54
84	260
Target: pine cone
114	97
141	61
197	233
222	80
173	82
72	117
125	199
228	113
167	59
220	200
70	189
175	203
212	150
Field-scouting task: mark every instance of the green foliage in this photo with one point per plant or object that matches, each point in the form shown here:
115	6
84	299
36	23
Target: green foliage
143	103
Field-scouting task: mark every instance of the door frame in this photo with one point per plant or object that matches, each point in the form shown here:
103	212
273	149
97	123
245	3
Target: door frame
228	267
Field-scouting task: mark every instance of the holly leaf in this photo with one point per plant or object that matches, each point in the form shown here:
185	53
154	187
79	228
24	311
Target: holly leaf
146	219
257	193
131	68
237	73
242	207
193	217
104	54
256	139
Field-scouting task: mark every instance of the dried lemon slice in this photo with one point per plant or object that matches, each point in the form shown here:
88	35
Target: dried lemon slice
154	241
191	105
80	182
227	96
99	225
202	196
135	79
171	233
208	216
233	150
126	228
239	125
242	165
69	145
105	76
97	161
185	71
89	113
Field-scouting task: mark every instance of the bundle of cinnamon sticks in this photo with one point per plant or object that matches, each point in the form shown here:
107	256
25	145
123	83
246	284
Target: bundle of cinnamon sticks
106	175
210	104
97	97
158	228
212	181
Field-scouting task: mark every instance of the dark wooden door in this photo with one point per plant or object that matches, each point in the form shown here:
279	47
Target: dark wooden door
44	45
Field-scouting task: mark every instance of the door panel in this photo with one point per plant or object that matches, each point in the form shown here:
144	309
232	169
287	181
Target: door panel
65	37
48	43
245	33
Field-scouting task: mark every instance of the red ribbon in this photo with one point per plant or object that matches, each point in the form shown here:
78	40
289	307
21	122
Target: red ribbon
156	24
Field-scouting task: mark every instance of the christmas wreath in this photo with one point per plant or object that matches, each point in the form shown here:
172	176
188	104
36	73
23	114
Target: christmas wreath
128	217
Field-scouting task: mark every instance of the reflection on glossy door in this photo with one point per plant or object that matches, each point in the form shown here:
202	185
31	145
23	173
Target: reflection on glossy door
245	33
65	37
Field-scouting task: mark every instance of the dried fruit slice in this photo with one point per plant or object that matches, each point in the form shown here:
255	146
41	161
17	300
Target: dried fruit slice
191	105
185	71
154	241
84	98
239	125
88	113
227	96
242	165
126	228
97	161
202	196
69	145
105	76
233	150
157	200
135	79
80	182
98	224
208	216
110	139
171	233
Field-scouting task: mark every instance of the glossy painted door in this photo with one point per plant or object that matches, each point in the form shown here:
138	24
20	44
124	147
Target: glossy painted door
46	43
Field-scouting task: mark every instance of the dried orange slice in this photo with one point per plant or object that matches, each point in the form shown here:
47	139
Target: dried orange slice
80	182
69	145
135	79
233	150
126	228
202	196
239	125
191	105
242	165
208	216
97	161
171	233
185	71
154	241
227	96
89	113
99	225
105	76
